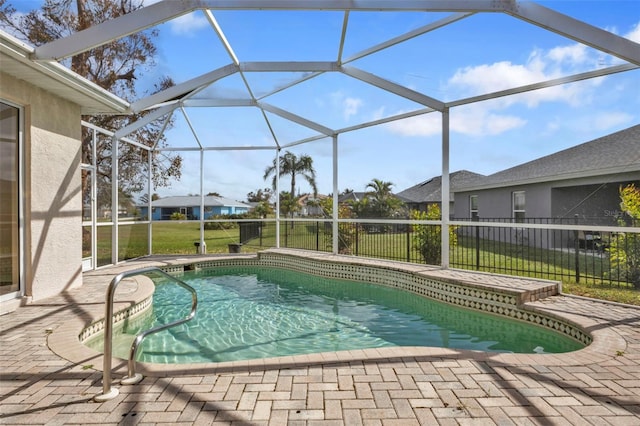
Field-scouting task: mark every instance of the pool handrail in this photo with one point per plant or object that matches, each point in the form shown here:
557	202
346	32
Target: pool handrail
132	378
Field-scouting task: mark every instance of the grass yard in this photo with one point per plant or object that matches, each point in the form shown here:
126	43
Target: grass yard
171	237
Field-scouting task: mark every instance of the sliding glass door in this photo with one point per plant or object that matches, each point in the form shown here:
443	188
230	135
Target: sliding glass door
10	226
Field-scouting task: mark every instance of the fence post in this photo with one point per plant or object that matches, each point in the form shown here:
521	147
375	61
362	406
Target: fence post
477	227
357	238
577	250
408	243
317	236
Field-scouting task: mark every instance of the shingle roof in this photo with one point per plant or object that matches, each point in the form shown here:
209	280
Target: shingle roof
430	191
615	153
194	201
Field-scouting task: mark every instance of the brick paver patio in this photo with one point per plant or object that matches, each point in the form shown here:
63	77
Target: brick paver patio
599	385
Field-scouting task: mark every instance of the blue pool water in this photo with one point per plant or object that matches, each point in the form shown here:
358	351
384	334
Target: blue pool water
248	313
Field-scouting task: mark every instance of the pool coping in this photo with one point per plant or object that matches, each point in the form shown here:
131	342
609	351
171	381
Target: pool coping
64	340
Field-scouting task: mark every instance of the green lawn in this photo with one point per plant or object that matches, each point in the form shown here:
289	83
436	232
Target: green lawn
178	238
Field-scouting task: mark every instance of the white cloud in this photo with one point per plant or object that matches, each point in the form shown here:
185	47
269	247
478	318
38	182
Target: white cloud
471	120
634	34
607	120
351	107
188	24
348	105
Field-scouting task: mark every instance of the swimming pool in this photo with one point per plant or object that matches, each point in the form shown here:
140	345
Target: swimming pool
257	312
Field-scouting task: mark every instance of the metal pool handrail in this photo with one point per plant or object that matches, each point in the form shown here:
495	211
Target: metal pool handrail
107	392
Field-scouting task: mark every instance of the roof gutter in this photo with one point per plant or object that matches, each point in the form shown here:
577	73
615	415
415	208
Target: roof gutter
21	52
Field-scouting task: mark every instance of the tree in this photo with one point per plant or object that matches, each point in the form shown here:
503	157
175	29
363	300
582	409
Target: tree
427	239
292	166
213	194
288	204
112	66
261	195
347	232
625	248
379	201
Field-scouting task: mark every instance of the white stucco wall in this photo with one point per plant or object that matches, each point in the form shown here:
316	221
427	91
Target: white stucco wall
52	189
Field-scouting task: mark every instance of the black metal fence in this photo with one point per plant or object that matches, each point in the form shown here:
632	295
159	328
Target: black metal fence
571	255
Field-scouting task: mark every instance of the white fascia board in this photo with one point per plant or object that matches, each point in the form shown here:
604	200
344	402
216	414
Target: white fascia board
408	36
544	84
631	170
287	66
577	30
179	90
21	52
296	118
113	29
394	88
148	118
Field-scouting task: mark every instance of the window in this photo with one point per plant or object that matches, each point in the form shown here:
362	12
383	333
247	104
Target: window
9	201
519	206
473	206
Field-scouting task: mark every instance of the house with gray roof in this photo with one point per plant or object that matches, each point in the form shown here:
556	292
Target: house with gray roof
580	184
422	195
189	205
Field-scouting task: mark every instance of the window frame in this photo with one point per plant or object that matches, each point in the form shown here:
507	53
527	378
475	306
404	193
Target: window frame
518	213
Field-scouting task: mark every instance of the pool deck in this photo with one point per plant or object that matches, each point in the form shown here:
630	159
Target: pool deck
47	377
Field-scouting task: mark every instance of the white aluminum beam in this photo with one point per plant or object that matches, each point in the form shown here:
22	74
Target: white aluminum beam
221	36
287	66
306	140
193	130
217	148
577	30
291	84
148	118
385	120
182	89
113	29
394	88
163	11
544	84
343	35
296	119
218	102
407	36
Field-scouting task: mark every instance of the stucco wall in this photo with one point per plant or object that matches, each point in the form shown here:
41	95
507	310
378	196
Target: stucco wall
52	196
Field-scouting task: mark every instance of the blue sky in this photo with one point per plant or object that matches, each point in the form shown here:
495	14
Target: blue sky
479	54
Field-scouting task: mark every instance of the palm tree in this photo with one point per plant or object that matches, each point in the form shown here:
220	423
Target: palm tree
291	165
380	190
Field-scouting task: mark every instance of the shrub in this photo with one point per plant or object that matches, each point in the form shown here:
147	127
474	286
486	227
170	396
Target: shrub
427	239
178	216
625	248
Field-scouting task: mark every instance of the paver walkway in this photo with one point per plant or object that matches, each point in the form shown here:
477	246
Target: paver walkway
397	386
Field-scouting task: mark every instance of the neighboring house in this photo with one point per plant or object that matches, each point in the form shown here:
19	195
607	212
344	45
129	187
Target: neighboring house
352	197
189	205
579	185
41	105
310	205
582	181
421	196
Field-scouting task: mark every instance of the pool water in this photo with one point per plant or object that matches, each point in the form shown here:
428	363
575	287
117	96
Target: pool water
247	313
